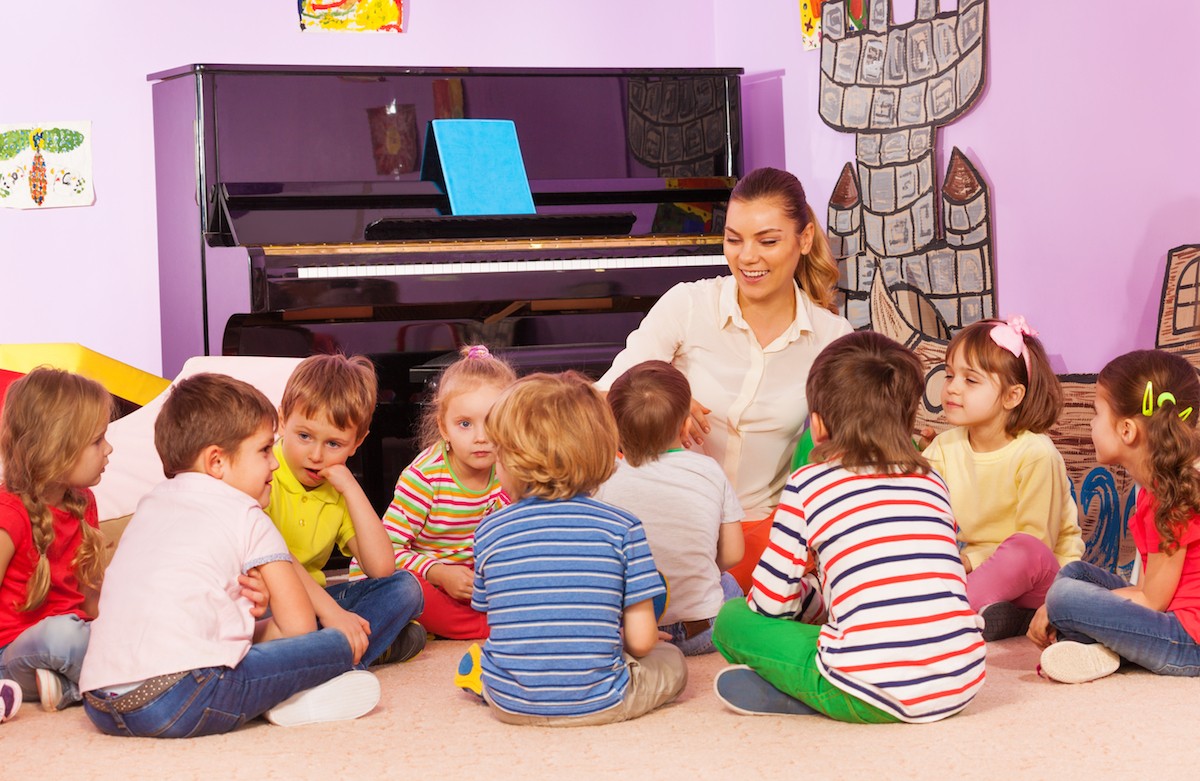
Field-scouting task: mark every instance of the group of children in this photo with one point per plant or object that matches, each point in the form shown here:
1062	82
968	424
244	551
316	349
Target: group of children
574	534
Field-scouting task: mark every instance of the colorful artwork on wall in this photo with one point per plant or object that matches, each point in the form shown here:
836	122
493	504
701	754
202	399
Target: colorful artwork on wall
352	15
810	24
393	138
45	166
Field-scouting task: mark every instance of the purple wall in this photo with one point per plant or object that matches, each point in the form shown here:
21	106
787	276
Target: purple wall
1085	134
90	275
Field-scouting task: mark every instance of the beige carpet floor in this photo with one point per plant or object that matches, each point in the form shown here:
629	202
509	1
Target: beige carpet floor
1130	725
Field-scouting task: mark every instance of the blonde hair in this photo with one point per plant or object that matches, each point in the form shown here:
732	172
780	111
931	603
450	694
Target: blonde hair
50	416
866	389
1043	401
476	366
554	435
1172	444
341	388
650	402
817	271
208	409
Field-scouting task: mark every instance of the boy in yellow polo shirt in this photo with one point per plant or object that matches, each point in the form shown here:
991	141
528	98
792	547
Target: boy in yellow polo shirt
316	503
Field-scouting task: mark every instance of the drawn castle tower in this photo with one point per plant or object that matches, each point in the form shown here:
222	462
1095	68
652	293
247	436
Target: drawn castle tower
892	86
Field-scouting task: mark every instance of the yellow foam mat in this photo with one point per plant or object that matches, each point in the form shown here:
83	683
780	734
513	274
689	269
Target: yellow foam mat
120	379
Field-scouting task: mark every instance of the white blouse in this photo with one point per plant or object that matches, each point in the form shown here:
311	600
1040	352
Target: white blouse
756	394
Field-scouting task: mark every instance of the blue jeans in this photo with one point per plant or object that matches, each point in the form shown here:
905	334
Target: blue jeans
56	643
1082	607
701	643
388	604
216	700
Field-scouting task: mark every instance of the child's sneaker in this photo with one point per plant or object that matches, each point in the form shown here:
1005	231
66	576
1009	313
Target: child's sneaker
1069	662
470	669
745	691
1004	619
343	698
50	689
406	646
10	699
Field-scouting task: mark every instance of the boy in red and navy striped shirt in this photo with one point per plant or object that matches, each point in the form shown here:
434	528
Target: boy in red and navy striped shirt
862	564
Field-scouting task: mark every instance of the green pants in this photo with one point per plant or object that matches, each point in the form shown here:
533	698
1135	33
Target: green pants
784	652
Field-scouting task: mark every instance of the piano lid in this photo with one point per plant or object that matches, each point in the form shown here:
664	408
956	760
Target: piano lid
314	155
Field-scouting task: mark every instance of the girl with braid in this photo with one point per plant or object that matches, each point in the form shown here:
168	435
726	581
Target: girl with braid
52	451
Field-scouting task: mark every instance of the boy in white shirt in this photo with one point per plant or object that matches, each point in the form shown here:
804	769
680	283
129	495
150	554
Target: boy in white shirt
176	651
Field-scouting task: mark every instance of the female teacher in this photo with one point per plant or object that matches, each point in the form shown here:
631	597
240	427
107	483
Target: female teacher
746	342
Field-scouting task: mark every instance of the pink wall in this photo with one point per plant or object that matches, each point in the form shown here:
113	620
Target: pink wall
1086	134
1073	134
90	275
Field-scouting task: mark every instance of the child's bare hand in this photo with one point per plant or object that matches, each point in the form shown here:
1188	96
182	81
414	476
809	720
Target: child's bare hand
924	437
354	627
811	565
456	580
967	565
254	588
340	477
1040	631
696	425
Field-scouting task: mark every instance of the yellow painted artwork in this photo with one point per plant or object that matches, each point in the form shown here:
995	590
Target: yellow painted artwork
352	15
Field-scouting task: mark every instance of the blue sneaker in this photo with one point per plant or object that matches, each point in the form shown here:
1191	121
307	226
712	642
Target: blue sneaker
748	693
468	677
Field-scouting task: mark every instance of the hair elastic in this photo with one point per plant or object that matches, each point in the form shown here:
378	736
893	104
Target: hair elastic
477	351
1010	335
1149	405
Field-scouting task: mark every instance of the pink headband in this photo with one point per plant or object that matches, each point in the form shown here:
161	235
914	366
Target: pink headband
1011	336
477	351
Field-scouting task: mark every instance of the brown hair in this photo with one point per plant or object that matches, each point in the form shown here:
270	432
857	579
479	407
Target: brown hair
1172	446
650	402
476	366
49	417
208	409
817	272
341	388
866	388
1043	400
554	435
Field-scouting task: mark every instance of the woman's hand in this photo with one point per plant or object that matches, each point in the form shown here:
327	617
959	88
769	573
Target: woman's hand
696	425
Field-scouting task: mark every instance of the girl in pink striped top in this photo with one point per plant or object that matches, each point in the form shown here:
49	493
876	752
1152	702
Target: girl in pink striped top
858	607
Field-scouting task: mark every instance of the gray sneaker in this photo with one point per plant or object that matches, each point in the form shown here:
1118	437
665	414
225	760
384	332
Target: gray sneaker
745	691
1004	619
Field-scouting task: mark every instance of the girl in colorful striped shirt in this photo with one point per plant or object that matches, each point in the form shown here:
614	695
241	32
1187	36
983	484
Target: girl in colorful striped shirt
444	493
858	608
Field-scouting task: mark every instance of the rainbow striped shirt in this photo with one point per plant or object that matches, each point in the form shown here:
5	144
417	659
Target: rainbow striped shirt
899	633
432	517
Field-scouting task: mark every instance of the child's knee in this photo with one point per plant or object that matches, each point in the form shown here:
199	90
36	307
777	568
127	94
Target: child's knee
65	637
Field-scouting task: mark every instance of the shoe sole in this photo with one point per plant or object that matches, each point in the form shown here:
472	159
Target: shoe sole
468	676
744	691
1069	662
344	698
49	689
10	700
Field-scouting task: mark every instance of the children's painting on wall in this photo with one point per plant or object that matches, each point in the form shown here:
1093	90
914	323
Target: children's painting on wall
393	138
385	16
810	24
43	166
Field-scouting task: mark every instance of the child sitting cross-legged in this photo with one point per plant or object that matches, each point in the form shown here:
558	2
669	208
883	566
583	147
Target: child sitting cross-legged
858	608
316	503
175	651
567	582
684	500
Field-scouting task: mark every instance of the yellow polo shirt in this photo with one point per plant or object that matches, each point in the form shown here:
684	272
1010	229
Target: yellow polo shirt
310	520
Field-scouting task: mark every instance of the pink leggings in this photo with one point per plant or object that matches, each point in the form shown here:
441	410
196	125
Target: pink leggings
1019	571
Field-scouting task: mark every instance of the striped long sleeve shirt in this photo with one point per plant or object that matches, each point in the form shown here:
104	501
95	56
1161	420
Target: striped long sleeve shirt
554	578
899	633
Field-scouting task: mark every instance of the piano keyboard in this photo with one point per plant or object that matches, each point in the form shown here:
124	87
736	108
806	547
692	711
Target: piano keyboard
504	266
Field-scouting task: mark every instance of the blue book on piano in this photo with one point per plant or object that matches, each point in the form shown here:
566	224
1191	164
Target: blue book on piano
478	164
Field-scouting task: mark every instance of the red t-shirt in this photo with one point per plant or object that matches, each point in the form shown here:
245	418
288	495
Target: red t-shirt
1186	602
65	596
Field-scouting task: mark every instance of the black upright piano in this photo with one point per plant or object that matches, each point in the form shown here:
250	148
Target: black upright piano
293	218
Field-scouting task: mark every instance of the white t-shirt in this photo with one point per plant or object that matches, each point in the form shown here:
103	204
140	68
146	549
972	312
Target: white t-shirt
171	601
756	394
681	499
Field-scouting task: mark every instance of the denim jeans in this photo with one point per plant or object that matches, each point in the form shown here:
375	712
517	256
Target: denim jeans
56	643
1082	607
701	643
215	700
388	604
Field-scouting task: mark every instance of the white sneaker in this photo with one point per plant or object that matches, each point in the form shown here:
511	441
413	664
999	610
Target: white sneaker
10	699
50	690
343	698
1070	662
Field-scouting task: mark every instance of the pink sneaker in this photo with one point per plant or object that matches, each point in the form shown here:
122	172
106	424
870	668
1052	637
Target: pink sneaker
10	699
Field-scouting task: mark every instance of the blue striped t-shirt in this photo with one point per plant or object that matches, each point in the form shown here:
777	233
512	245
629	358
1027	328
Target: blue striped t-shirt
554	578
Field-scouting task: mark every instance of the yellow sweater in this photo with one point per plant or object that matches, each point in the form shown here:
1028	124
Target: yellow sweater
1022	487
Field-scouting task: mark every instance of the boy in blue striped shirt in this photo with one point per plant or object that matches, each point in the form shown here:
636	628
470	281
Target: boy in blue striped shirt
567	582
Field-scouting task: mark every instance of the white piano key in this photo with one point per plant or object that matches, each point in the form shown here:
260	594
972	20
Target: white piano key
506	266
